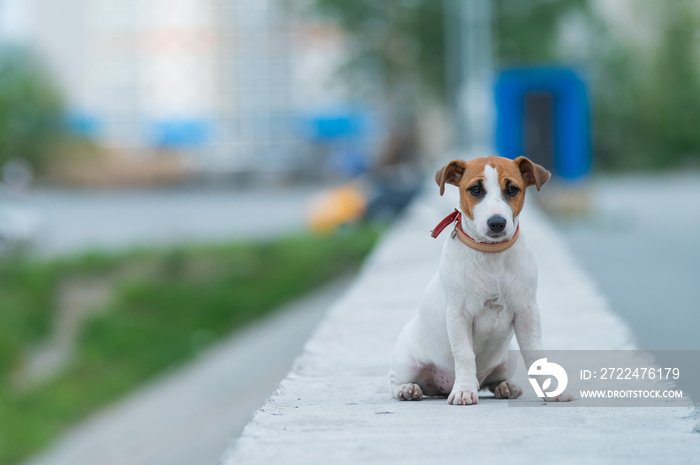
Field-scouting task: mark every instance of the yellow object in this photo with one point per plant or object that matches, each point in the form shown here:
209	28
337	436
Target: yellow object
345	204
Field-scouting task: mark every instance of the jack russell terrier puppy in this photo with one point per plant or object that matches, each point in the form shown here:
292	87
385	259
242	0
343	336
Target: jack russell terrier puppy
484	290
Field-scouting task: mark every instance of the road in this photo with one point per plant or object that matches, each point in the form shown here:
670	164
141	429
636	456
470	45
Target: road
641	245
78	220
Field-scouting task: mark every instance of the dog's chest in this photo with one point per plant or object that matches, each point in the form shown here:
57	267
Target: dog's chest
491	311
492	322
493	305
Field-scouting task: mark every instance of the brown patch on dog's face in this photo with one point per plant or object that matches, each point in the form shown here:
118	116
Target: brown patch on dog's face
512	184
514	176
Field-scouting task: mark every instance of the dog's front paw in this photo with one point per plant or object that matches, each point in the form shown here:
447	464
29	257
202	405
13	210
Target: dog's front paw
507	390
462	397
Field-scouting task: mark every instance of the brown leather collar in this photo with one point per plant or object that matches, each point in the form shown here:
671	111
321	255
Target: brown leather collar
487	247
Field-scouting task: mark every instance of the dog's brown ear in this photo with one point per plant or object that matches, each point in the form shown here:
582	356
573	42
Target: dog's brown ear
533	174
451	173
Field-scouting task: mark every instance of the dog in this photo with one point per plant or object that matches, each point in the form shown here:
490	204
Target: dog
483	292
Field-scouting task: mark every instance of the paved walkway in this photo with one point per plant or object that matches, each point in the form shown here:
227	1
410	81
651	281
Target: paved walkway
188	417
334	406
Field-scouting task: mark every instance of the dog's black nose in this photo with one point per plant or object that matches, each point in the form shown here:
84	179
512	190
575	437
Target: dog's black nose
496	223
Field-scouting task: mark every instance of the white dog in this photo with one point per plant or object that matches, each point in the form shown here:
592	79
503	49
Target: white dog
484	290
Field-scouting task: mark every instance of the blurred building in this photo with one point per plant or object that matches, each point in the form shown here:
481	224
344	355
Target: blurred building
214	80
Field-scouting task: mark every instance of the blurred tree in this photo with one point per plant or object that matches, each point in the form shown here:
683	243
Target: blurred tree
405	39
31	111
402	42
527	31
647	99
675	104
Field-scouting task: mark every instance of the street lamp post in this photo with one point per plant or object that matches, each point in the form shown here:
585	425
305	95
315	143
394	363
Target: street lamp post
470	71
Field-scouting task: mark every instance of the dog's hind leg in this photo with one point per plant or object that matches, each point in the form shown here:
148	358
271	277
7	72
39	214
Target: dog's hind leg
406	391
403	379
405	370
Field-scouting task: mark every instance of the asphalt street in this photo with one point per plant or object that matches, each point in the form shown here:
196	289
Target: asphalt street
69	220
641	245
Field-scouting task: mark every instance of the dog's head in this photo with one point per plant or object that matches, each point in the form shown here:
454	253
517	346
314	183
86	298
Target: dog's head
492	192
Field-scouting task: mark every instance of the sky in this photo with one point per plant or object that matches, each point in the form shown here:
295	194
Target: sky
14	20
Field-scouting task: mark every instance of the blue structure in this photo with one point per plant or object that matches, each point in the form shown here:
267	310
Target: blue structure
83	125
341	124
344	131
173	134
181	133
570	116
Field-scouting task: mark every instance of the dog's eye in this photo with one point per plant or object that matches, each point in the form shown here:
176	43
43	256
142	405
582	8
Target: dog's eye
475	190
512	190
